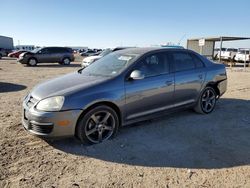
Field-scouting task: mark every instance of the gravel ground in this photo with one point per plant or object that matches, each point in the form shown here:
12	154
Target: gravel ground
179	150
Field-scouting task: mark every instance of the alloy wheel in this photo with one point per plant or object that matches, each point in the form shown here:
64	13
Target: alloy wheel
208	100
100	126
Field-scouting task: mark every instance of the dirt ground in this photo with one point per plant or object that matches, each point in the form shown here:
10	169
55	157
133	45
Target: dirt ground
179	150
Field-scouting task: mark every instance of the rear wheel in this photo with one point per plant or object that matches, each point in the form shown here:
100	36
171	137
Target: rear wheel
66	61
32	62
206	102
97	125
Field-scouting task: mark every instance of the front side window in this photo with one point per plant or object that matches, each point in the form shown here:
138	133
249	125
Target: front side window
183	61
153	65
44	51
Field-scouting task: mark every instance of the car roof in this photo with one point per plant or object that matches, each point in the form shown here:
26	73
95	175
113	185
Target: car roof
144	50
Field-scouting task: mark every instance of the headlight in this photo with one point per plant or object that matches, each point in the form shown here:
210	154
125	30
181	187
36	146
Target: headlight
51	104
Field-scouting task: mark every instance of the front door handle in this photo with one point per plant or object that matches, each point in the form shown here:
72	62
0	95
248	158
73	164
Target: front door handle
169	83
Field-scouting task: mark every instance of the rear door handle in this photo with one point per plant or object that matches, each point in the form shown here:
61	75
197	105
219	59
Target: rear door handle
169	83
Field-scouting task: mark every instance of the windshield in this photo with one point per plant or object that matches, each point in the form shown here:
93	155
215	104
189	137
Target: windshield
105	52
36	50
110	65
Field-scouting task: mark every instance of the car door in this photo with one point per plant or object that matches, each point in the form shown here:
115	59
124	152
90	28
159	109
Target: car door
42	55
189	77
155	92
57	54
53	54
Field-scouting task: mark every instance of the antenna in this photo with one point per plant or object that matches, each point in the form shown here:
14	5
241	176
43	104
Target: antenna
181	39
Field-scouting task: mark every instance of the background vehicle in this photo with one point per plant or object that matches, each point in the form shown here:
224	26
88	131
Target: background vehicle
62	55
217	52
243	55
88	60
88	52
121	88
2	53
6	45
227	53
16	53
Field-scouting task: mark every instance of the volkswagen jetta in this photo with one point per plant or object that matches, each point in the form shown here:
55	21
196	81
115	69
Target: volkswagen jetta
122	88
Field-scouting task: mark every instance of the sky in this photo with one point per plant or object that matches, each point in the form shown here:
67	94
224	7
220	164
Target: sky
111	23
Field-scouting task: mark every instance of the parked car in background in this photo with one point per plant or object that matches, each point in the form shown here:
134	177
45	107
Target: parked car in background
61	55
243	55
88	52
88	60
3	53
122	88
227	53
16	53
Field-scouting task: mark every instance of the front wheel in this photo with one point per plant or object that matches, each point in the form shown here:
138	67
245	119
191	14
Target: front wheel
32	62
97	125
206	102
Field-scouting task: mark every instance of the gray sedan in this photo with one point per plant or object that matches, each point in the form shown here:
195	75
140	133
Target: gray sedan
122	88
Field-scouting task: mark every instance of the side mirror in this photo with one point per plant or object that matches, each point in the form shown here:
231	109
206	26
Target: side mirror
137	75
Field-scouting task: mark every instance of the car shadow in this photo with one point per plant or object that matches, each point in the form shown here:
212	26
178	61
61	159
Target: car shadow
180	140
56	65
9	87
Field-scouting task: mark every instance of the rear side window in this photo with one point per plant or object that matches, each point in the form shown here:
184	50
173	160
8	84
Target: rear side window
183	61
197	61
60	50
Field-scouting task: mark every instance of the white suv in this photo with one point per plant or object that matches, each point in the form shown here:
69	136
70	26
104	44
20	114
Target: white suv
243	55
228	54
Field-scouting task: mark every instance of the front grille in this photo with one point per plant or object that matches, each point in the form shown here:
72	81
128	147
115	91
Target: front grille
31	101
44	129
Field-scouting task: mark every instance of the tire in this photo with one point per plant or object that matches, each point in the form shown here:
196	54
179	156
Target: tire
206	102
66	61
97	125
32	62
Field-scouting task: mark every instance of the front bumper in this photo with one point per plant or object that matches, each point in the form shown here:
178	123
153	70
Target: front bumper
22	60
49	124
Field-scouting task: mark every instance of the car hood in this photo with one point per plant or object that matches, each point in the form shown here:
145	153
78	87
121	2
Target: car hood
24	53
65	84
91	58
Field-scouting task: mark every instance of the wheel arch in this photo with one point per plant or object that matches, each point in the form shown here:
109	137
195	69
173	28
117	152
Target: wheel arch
64	57
214	85
106	103
32	58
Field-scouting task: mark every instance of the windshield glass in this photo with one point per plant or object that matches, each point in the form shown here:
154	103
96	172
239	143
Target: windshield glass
110	65
105	52
36	50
